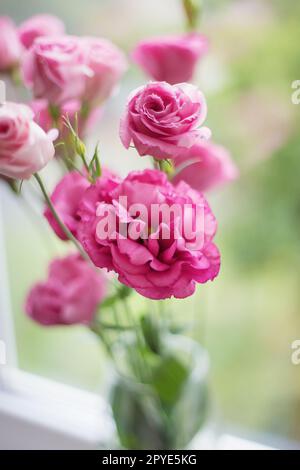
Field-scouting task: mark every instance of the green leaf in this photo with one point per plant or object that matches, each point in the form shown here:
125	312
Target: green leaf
169	379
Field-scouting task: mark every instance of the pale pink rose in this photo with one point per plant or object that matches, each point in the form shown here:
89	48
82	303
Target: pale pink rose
10	46
162	120
71	294
71	110
172	59
25	148
37	26
107	63
55	69
157	266
205	166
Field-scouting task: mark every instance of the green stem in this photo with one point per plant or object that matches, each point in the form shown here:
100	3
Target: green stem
65	230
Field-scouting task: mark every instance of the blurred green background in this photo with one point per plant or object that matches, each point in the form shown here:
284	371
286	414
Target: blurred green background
249	317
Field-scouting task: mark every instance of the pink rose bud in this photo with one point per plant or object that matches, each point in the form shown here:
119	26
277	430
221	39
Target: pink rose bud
70	295
25	148
10	46
205	166
163	261
107	64
172	59
39	25
55	69
164	120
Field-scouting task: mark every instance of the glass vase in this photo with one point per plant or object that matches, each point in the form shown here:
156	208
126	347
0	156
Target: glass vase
167	409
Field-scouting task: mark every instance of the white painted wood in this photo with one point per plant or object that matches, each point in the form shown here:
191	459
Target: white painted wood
37	413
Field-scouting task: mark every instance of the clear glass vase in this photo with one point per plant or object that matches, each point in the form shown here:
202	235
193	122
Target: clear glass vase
169	408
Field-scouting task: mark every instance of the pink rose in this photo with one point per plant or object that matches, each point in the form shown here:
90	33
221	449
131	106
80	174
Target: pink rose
204	166
162	120
172	59
37	26
65	198
24	147
10	46
55	69
162	264
70	295
71	109
107	64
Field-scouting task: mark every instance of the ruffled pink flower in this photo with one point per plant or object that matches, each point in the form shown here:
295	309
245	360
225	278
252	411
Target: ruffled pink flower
172	59
65	198
10	46
38	26
205	166
55	68
164	120
25	148
70	295
156	266
107	64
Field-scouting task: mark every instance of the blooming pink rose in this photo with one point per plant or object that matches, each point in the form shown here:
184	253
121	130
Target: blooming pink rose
162	264
204	166
10	46
37	26
55	69
71	110
171	58
162	120
107	64
70	295
65	198
24	147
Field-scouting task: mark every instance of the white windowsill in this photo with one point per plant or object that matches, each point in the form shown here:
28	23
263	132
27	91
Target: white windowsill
40	413
36	413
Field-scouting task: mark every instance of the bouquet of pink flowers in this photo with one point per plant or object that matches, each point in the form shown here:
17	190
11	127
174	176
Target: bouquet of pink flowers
149	234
